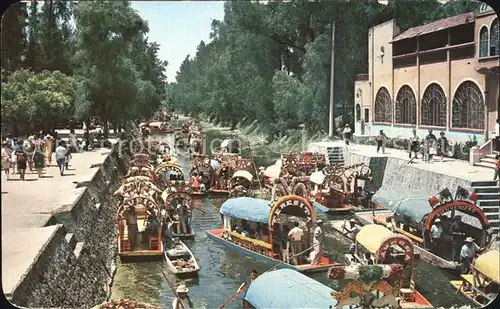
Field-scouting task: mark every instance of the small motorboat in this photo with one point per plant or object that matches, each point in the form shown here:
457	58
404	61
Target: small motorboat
180	259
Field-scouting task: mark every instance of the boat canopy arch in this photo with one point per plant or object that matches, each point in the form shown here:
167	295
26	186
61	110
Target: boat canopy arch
248	208
243	174
286	288
138	201
463	206
377	239
293	205
488	264
168	167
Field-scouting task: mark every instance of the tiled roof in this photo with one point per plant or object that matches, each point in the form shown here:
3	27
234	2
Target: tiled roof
437	25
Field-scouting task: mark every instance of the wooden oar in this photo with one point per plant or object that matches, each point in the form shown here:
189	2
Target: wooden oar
170	286
240	289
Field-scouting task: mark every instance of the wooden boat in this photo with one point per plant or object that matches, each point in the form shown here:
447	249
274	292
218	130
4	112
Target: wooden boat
267	213
178	194
376	286
421	212
167	171
149	245
157	127
200	166
241	184
389	248
180	259
286	288
482	285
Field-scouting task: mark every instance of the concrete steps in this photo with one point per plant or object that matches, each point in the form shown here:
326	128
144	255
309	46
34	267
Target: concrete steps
488	193
487	161
335	155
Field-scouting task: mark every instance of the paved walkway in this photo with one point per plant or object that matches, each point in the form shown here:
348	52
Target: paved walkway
450	167
28	205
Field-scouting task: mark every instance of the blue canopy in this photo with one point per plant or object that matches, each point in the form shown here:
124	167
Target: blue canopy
286	288
248	208
410	203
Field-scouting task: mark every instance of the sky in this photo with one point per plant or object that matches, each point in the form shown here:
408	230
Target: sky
178	26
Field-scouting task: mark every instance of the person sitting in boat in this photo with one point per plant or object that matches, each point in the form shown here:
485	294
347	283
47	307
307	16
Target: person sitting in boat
296	234
361	196
436	233
318	241
352	229
468	252
131	220
182	299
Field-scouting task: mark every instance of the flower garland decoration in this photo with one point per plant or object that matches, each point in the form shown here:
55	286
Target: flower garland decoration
125	304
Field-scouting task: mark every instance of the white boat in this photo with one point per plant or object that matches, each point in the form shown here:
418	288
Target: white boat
180	259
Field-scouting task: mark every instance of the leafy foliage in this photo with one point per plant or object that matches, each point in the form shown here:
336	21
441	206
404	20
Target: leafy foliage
271	62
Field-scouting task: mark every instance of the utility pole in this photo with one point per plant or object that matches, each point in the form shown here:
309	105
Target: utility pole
332	82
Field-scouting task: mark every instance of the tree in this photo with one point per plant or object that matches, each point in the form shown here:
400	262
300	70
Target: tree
13	38
39	99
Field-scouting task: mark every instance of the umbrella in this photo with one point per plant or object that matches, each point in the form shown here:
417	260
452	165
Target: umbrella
317	178
215	164
273	171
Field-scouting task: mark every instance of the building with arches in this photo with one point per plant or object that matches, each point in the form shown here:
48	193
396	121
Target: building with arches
442	76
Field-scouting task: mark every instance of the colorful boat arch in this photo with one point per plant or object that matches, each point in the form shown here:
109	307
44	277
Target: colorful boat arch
137	200
167	167
291	201
461	205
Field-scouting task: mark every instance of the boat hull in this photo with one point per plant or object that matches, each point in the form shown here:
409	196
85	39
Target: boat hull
140	256
305	268
177	271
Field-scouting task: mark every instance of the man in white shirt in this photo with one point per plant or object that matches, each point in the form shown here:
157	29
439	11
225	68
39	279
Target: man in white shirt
436	231
468	252
183	301
318	241
61	157
353	229
296	235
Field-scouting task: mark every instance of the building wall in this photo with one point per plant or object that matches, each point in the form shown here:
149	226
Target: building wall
449	75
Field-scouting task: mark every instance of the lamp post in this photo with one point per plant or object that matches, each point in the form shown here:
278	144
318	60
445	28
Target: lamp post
303	127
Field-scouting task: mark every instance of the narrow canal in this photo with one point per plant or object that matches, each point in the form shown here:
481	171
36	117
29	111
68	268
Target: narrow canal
223	271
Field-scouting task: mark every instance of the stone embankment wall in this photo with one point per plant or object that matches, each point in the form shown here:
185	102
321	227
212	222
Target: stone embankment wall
396	174
76	267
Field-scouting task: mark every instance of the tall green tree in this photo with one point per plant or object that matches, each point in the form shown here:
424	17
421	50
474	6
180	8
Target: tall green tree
13	36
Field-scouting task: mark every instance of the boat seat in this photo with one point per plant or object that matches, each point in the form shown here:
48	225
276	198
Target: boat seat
407	295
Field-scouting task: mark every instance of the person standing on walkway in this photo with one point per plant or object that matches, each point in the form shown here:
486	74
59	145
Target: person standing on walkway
381	139
73	141
22	159
347	134
61	157
497	168
318	241
14	156
39	160
414	145
49	141
296	235
6	159
442	146
30	149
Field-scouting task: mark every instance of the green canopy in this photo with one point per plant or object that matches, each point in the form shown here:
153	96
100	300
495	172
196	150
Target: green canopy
404	202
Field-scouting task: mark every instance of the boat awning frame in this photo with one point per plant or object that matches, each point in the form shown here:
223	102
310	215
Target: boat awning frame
488	264
243	174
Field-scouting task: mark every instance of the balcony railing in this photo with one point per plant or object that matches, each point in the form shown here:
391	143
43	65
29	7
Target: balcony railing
361	77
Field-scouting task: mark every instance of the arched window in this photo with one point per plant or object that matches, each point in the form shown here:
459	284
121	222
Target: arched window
468	107
406	106
358	112
433	107
383	106
494	40
483	42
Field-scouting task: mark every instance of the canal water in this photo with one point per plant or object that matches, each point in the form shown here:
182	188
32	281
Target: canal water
223	271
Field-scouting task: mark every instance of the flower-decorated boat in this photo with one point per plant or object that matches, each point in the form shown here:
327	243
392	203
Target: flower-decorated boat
483	284
241	184
146	233
415	213
286	288
223	173
196	143
200	166
157	127
167	171
179	206
302	164
376	286
270	216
